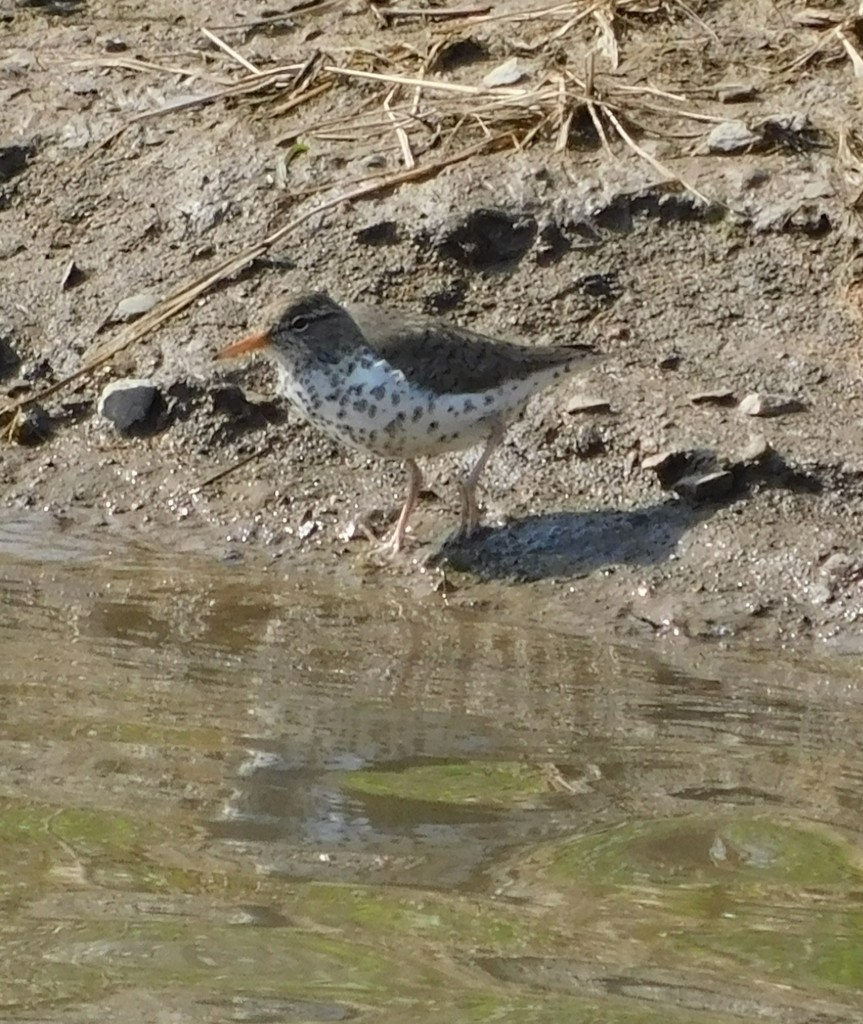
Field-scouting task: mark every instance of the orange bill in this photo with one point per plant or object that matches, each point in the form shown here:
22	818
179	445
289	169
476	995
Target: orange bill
251	343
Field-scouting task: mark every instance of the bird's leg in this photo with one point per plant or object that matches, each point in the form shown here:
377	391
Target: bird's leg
469	506
415	481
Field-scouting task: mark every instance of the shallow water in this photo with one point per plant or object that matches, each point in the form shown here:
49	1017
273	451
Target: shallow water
241	794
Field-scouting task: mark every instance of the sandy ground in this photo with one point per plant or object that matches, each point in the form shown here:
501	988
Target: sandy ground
659	180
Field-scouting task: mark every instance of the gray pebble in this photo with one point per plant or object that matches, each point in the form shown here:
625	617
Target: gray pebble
764	405
135	305
731	137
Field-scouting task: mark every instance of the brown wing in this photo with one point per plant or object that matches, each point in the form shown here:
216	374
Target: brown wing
441	357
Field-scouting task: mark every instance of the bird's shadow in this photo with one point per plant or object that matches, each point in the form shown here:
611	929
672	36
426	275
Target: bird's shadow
571	544
568	544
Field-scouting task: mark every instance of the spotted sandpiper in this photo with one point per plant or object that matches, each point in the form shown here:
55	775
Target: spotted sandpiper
403	386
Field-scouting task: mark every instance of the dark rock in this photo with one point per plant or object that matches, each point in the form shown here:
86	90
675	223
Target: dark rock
763	405
13	160
32	426
135	407
489	237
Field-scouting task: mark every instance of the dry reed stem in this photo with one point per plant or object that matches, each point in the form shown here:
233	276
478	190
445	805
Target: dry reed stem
401	134
666	172
432	13
434	84
230	51
227	470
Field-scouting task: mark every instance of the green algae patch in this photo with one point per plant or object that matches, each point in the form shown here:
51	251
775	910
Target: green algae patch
404	914
680	852
752	895
486	783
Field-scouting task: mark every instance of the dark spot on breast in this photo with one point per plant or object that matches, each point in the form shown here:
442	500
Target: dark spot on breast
360	405
349	369
356	389
450	409
469	406
417	413
395	398
343	401
373	435
379	392
556	374
373	410
400	417
488	400
432	427
331	397
340	415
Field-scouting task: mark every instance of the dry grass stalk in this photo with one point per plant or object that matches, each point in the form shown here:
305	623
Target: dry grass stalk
401	134
665	171
136	64
432	84
222	473
230	51
431	13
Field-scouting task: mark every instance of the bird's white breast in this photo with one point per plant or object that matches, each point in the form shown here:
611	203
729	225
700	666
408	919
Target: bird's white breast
366	403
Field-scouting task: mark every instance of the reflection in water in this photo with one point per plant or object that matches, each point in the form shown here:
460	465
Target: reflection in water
211	772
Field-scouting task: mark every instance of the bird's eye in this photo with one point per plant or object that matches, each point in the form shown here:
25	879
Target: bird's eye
299	324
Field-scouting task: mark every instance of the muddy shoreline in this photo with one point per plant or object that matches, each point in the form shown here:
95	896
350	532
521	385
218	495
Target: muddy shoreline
704	481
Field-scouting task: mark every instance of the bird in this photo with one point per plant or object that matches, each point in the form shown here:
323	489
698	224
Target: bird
404	386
